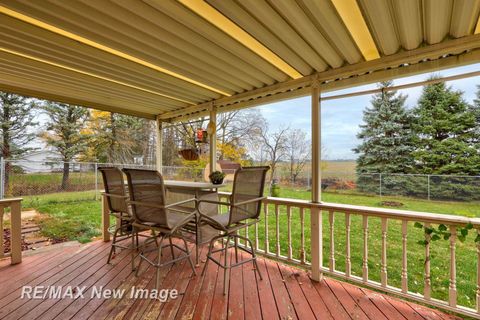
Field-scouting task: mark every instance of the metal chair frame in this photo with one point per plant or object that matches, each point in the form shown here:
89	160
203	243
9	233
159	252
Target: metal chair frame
230	231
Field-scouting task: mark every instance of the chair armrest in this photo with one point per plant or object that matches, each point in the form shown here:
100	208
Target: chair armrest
180	202
248	201
213	202
159	206
115	196
146	204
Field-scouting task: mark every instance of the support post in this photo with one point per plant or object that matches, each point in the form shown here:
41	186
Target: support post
212	135
159	148
16	230
316	214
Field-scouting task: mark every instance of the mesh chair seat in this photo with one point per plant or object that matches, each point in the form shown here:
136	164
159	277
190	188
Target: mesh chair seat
174	219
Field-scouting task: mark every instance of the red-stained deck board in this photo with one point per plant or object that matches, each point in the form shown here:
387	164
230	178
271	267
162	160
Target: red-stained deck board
296	294
12	302
236	305
367	306
250	291
315	301
265	294
284	293
285	306
192	292
220	301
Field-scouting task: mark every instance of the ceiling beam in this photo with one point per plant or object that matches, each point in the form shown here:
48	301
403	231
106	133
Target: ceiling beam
447	54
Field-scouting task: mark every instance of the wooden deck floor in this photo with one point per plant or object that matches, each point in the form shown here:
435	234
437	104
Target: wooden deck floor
284	293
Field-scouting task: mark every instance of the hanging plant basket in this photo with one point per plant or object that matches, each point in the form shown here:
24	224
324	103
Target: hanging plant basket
189	154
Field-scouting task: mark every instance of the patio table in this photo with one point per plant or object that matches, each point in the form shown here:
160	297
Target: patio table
183	190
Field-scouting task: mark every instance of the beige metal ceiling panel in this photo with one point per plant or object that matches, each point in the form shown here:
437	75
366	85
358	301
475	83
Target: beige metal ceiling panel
255	28
264	13
323	14
52	51
408	17
464	17
66	94
189	37
105	30
194	22
437	17
55	79
70	20
83	78
378	16
299	20
117	18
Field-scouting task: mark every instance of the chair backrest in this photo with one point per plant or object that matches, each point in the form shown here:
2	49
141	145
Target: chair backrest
114	185
147	186
248	183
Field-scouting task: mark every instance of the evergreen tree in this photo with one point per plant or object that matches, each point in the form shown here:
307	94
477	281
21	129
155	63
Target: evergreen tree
16	122
386	137
445	127
65	133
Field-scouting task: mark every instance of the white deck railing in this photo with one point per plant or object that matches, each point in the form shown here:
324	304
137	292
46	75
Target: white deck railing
277	219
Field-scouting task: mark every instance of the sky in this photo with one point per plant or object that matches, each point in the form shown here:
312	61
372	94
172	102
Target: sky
341	117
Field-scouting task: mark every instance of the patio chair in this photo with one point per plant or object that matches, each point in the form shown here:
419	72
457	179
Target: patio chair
116	196
244	210
148	202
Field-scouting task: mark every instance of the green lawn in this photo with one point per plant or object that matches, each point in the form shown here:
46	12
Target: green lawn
76	216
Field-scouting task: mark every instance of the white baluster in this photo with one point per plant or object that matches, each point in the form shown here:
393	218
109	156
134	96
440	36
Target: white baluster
383	267
331	219
452	289
427	288
289	231
348	262
404	257
277	224
302	235
365	248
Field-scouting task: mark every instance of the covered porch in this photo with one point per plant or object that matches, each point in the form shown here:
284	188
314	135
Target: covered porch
175	61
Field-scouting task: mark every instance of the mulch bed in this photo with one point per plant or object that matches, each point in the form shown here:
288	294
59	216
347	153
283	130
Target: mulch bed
395	204
6	242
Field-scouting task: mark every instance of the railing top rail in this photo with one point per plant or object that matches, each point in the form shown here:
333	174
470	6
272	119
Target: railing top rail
377	212
10	200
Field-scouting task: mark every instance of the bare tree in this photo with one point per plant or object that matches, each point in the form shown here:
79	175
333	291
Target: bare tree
275	147
298	151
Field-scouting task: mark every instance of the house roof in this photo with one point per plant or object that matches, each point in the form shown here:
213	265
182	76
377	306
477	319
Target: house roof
177	59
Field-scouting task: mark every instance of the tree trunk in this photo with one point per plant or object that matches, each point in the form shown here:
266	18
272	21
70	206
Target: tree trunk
66	174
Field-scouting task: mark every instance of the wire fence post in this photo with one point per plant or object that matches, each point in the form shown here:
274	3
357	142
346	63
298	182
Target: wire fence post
2	178
428	187
96	180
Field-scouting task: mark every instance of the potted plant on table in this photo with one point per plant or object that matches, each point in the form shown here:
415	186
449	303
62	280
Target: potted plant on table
217	177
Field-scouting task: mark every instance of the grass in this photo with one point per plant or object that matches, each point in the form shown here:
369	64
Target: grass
76	216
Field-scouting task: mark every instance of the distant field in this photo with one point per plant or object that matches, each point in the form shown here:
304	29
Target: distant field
330	169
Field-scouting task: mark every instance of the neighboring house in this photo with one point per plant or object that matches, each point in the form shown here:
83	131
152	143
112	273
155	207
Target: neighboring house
39	161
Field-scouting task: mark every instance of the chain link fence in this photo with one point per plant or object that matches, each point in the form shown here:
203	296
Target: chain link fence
26	178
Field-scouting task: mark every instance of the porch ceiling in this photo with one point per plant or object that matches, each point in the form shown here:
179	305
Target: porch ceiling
172	59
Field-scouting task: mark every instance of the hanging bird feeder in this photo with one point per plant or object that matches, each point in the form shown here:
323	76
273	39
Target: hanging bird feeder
193	153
